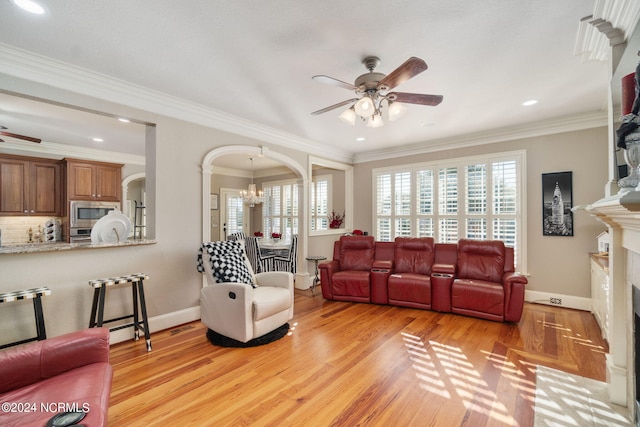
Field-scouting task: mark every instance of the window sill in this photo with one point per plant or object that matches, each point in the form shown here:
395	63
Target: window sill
330	232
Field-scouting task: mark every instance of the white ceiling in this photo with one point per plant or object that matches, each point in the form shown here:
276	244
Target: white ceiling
255	60
54	123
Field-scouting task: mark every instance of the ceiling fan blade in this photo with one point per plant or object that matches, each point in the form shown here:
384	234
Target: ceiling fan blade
334	106
415	98
334	82
411	68
26	138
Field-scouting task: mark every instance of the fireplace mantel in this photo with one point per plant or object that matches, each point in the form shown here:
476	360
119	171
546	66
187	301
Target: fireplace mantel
621	212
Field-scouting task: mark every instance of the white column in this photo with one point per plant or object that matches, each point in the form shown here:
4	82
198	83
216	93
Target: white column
619	323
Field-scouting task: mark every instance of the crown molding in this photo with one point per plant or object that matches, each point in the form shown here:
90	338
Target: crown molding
611	23
547	127
30	66
243	173
220	170
55	150
38	68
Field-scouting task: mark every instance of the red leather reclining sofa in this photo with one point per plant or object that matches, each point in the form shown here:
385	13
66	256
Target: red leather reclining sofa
70	372
473	277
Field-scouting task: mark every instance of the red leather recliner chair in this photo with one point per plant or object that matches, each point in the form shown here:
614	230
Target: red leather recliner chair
486	285
410	283
348	276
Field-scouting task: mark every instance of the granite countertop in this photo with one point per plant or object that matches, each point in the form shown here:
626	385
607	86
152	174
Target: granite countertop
63	246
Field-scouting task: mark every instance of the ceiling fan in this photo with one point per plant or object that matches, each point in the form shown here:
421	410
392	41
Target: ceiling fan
15	135
372	89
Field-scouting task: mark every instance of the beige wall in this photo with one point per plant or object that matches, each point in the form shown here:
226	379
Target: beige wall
557	265
174	188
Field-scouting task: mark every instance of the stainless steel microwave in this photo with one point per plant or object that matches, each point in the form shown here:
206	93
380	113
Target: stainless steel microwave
84	214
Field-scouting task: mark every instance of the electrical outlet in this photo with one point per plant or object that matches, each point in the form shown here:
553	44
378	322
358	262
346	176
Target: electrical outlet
557	301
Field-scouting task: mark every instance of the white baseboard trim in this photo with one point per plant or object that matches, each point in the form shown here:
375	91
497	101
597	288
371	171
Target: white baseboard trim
159	323
169	320
567	301
302	281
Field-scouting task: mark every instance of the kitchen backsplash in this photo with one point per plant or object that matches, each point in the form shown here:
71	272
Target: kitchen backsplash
15	229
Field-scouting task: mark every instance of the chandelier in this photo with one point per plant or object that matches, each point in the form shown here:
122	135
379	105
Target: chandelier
251	196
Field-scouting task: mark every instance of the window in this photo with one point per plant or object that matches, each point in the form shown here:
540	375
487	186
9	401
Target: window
320	206
280	208
234	214
475	198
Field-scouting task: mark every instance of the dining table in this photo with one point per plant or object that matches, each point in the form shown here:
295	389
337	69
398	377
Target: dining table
278	247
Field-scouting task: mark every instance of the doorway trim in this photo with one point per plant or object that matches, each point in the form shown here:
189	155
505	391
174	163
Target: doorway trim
303	189
125	190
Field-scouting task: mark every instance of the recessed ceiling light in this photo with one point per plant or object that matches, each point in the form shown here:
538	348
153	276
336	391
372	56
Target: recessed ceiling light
360	138
530	102
428	125
98	140
124	120
30	6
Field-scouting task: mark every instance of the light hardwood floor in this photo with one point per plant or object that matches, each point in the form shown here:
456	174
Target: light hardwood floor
348	364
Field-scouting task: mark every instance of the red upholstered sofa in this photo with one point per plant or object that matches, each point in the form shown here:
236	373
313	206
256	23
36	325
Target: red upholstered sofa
474	278
67	373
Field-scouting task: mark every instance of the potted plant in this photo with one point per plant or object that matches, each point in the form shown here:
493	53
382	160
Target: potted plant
335	220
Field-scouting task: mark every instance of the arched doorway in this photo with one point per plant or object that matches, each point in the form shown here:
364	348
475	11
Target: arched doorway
134	190
303	202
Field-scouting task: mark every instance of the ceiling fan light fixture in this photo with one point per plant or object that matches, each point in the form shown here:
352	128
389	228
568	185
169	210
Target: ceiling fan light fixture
348	116
375	121
364	107
396	110
372	89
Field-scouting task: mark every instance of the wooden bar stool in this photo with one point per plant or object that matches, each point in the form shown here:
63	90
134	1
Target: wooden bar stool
99	294
36	294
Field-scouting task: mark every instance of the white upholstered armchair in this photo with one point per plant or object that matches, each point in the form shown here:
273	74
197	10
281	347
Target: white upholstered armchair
236	302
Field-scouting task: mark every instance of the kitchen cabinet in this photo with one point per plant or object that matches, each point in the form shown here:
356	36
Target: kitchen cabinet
30	186
88	180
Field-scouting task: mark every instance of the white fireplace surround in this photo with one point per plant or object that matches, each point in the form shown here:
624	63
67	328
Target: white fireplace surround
621	213
610	34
